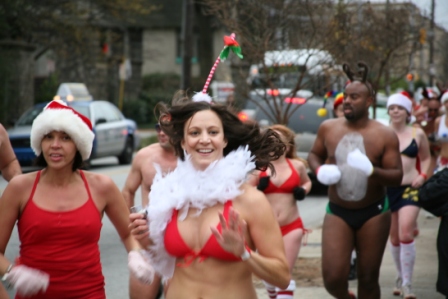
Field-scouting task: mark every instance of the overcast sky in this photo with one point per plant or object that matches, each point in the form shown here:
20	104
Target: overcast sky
441	9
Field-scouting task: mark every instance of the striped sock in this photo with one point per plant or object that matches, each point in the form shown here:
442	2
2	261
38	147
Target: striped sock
272	293
288	293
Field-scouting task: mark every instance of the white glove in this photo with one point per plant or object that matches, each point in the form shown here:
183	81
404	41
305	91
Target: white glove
358	160
28	281
328	174
140	267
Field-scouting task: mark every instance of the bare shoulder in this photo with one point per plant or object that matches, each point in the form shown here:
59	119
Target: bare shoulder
21	185
3	131
330	123
298	164
3	134
251	198
99	183
148	151
419	132
146	155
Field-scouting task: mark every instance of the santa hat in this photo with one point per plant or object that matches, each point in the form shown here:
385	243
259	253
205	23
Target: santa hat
338	100
400	100
57	116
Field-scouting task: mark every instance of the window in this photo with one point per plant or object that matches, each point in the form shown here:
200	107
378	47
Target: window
195	54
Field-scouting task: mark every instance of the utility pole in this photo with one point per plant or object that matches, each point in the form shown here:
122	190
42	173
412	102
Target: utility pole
432	69
187	42
387	70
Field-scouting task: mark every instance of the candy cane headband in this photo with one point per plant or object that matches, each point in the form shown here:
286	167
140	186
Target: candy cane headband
230	44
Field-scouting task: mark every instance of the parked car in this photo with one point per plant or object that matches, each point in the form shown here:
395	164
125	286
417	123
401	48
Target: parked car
260	95
115	135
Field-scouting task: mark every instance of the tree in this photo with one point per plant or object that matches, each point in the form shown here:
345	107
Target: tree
327	34
381	35
265	29
29	28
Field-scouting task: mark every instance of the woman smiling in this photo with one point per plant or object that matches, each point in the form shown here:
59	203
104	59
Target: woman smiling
209	230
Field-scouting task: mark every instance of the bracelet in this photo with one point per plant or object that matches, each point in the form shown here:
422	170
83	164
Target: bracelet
5	276
423	175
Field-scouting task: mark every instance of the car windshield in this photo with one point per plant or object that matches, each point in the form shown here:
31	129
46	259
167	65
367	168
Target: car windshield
28	117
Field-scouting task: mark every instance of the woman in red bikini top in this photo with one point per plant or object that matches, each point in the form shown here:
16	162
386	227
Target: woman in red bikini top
289	184
209	230
58	211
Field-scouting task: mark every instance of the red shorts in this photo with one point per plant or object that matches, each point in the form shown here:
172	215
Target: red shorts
296	224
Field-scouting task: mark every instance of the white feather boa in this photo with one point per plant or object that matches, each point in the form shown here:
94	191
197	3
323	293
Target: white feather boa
186	188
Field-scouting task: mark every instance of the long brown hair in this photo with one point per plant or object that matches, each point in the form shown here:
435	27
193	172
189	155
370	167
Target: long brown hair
288	138
265	146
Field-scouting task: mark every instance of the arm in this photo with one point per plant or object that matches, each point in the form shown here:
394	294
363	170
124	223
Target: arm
424	155
304	178
327	174
318	152
9	213
390	173
436	125
117	212
133	181
9	166
269	262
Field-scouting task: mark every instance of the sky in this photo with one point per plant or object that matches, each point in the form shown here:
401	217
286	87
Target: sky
441	9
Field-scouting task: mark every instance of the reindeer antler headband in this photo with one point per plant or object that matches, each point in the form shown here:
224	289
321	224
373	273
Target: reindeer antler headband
361	75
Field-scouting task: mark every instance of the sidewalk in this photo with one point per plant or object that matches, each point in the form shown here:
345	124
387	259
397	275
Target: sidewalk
425	269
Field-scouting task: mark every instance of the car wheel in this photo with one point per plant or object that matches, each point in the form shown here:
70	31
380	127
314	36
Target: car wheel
128	151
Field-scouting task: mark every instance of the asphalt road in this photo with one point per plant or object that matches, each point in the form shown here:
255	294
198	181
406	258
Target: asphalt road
113	254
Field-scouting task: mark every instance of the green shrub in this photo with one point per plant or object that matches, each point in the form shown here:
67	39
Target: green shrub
138	111
47	90
147	141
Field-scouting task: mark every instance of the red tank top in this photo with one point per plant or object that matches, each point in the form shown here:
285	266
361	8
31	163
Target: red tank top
288	186
177	247
64	245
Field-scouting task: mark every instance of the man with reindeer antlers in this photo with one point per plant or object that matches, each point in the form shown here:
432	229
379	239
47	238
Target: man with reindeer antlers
357	157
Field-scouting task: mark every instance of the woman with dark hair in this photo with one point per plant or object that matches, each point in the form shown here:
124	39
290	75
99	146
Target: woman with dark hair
289	184
59	212
204	218
403	199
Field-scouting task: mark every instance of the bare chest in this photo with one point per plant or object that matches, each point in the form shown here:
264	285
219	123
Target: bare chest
341	142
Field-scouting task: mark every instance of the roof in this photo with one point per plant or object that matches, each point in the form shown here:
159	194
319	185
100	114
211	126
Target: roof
313	59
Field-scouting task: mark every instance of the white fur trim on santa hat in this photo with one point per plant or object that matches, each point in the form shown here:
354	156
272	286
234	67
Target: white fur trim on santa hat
400	100
62	120
444	97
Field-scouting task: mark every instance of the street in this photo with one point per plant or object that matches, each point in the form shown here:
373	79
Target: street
113	254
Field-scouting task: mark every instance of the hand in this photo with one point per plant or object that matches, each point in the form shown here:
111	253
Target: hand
140	267
263	183
28	281
358	160
299	193
231	238
328	174
418	182
139	226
